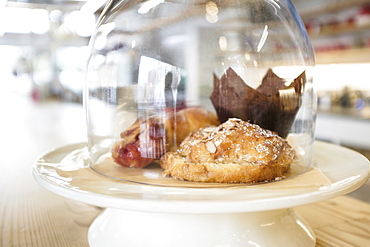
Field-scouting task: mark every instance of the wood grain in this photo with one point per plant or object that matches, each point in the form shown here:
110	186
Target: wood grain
342	221
29	214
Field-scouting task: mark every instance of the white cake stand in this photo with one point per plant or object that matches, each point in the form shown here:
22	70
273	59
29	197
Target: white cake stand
148	215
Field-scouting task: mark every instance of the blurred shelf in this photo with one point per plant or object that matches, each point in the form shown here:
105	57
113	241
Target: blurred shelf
357	55
336	33
311	8
339	30
363	114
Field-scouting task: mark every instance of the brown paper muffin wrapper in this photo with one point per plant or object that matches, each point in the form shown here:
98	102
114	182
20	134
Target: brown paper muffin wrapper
273	105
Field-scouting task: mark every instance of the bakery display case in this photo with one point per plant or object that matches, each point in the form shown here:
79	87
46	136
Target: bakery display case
161	70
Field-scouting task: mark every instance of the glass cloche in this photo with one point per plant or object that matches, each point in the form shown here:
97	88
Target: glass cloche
200	93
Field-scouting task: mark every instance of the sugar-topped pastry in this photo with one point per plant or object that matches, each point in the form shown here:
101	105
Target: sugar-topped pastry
233	152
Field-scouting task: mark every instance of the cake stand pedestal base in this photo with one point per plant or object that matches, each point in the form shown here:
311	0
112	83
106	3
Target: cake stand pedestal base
265	228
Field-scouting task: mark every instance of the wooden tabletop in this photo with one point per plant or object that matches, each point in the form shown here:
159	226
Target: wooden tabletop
32	216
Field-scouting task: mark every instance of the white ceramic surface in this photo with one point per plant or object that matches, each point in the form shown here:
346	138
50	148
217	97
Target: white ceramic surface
250	215
347	170
140	229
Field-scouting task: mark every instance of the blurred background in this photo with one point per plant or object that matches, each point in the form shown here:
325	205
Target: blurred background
43	55
44	49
